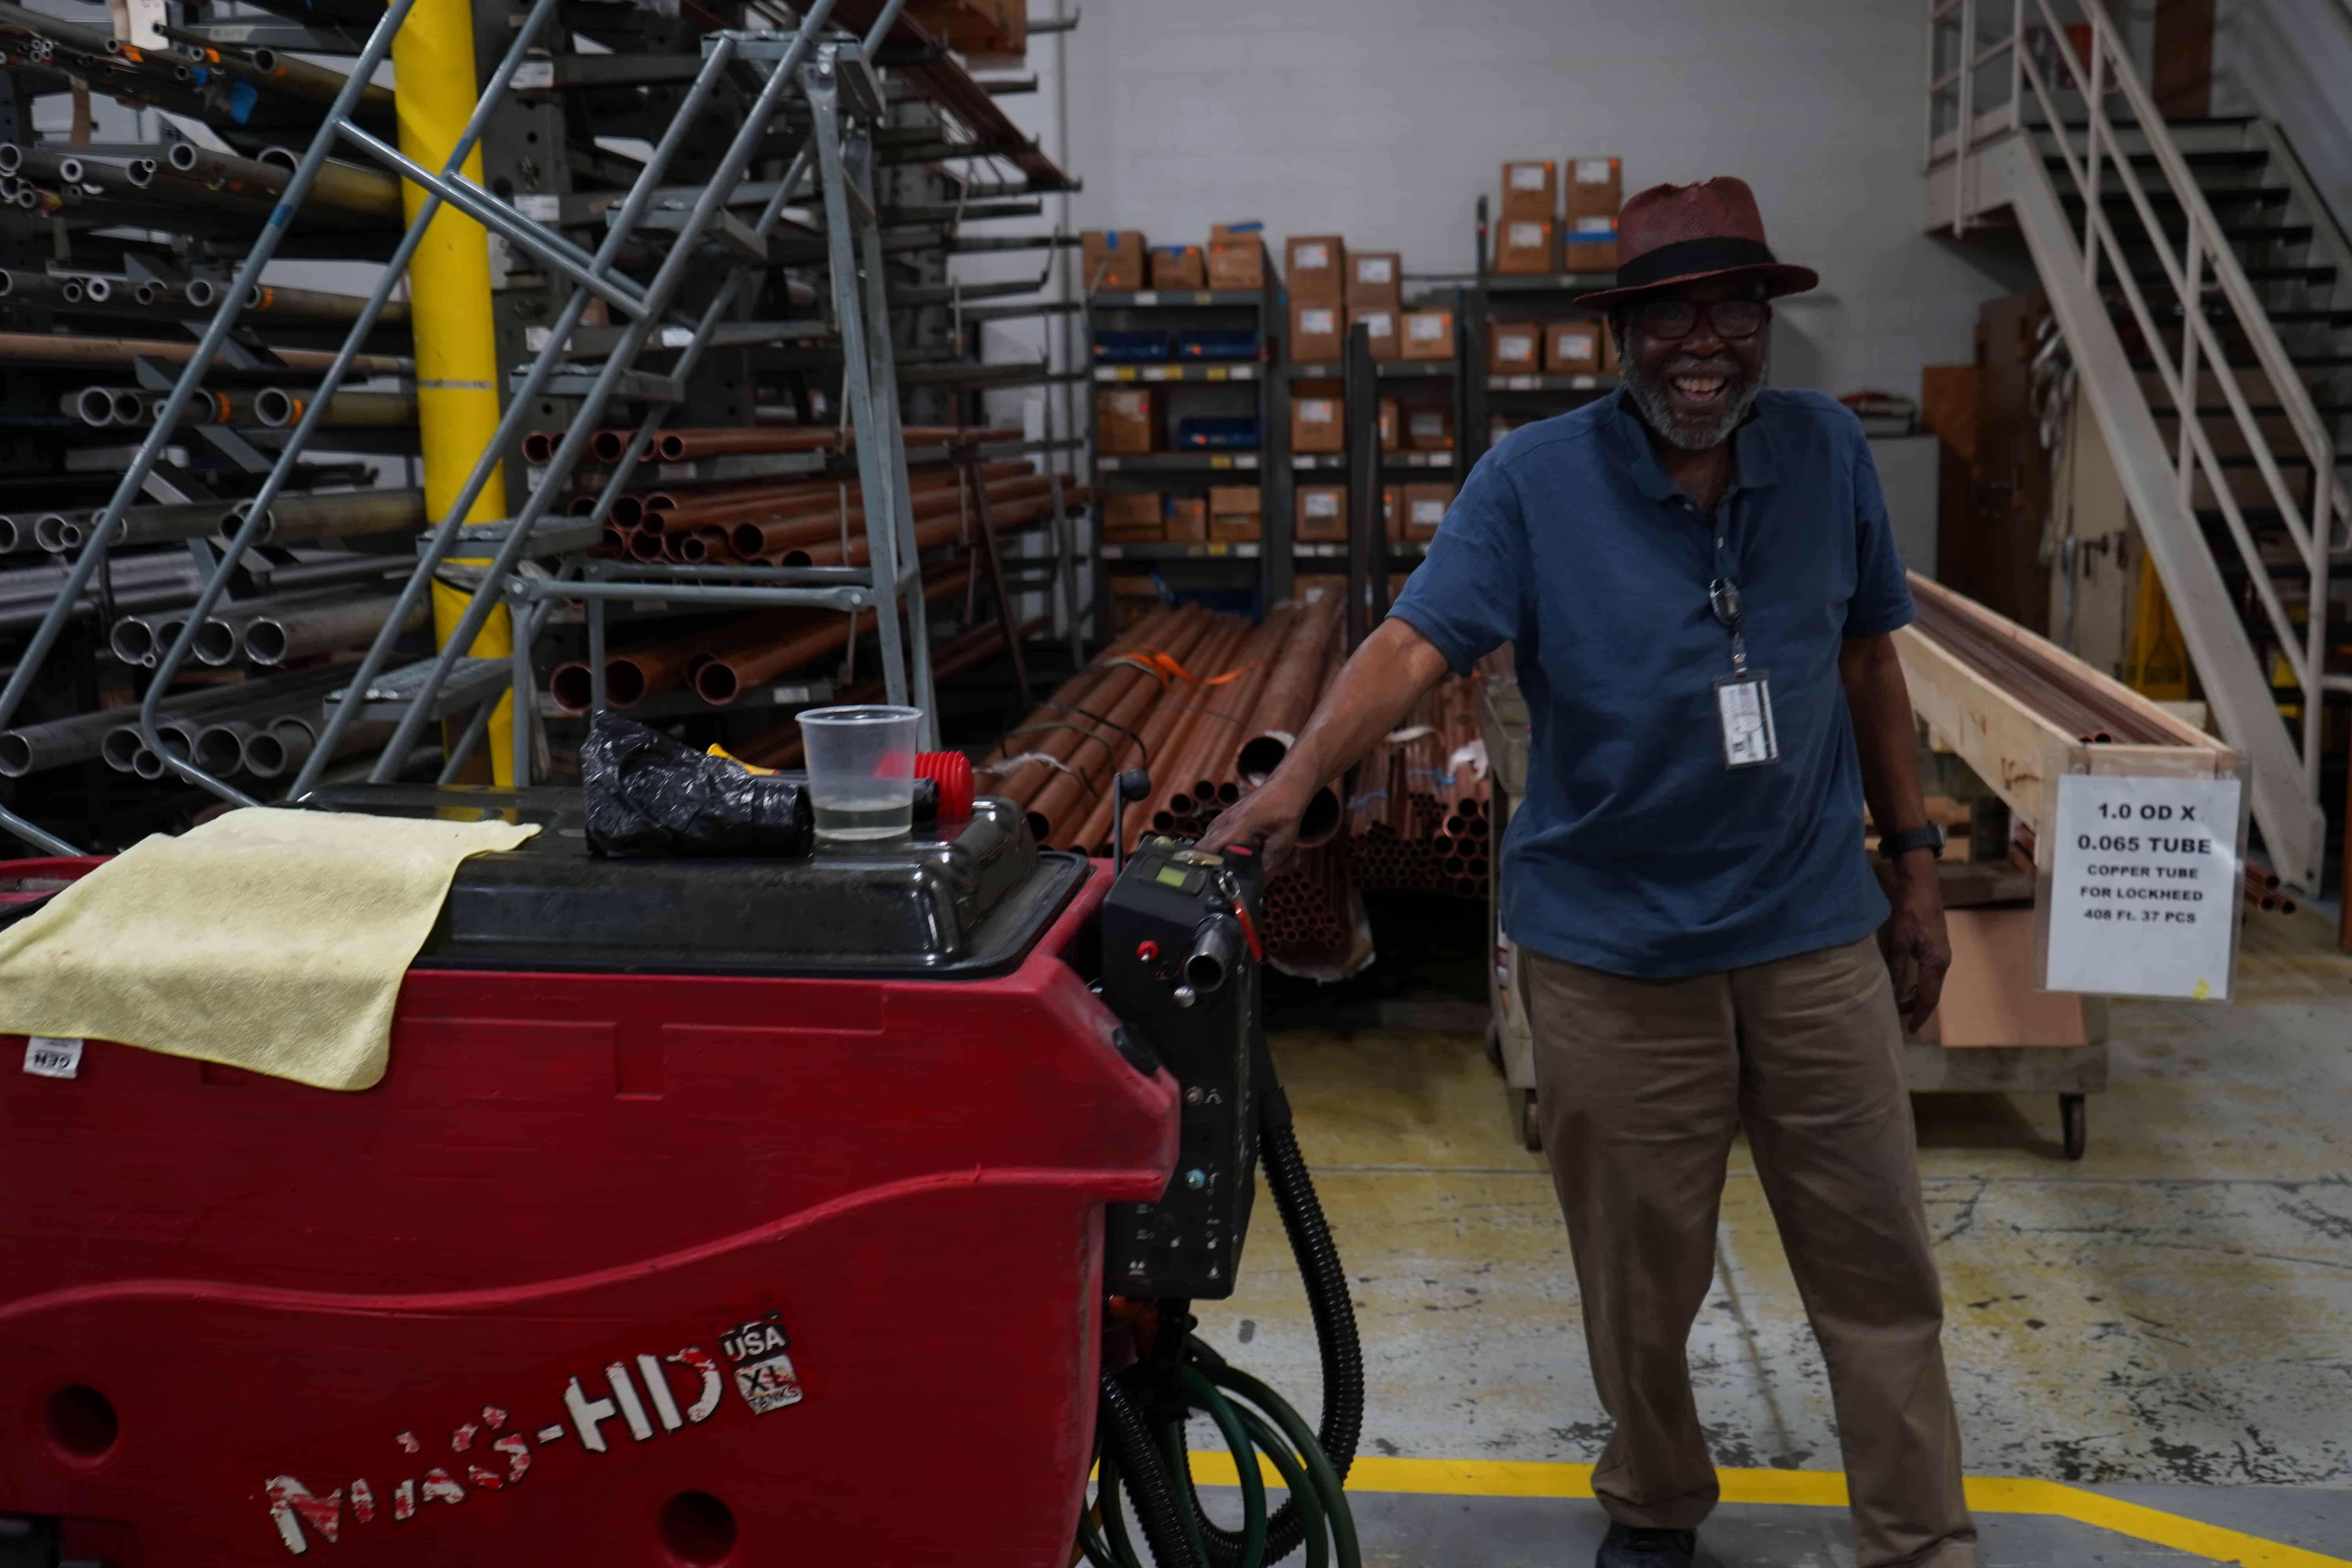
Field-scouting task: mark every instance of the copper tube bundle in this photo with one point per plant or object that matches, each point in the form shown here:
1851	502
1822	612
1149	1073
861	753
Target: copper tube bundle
685	446
1195	699
719	659
804	523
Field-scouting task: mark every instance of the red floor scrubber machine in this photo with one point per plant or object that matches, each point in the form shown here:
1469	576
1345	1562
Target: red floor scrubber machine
844	1208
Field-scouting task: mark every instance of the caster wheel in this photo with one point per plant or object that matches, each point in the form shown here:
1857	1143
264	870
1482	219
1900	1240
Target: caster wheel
1530	1126
2074	1113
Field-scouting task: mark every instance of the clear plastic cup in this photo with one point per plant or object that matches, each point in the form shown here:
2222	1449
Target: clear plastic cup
861	769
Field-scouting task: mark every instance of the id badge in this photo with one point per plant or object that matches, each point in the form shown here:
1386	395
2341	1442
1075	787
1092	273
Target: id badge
1744	703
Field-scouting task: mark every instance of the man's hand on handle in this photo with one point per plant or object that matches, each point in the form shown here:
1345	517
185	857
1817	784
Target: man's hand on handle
1270	813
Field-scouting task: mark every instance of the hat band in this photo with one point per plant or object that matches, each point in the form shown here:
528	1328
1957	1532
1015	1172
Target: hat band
1687	256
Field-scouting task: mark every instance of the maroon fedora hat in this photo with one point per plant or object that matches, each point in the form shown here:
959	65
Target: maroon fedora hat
1681	234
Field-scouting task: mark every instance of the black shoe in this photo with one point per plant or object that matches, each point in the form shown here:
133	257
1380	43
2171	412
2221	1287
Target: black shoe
1628	1547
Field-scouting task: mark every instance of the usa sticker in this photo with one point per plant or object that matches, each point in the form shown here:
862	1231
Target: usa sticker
763	1373
50	1056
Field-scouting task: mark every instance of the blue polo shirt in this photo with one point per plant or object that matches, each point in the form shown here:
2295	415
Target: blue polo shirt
1636	850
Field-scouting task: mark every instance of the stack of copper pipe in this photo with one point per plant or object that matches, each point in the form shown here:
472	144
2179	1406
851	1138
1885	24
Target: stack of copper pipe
814	522
720	659
1417	820
686	445
1207	705
2058	693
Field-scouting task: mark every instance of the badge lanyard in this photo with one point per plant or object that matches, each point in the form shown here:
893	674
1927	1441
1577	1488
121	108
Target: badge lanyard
1743	699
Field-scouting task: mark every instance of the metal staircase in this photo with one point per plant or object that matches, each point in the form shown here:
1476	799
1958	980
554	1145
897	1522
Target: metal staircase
2205	292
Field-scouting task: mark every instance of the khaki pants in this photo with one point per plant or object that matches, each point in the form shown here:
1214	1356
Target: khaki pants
1641	1085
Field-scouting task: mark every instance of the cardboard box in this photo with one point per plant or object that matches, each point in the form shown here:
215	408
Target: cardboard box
1321	516
1391	431
1392	512
1314	266
1237	255
1376	277
1132	517
1429	429
1596	189
1424	508
975	27
1315	422
1591	244
1188	520
1514	348
1234	512
1523	244
1428	335
1126	419
1318	331
1530	189
1112	259
1179	267
1380	321
1572	348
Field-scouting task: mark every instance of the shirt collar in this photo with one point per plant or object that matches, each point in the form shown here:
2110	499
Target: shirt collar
1755	449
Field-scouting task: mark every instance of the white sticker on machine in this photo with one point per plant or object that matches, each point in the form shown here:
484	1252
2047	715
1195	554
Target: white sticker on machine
763	1371
53	1056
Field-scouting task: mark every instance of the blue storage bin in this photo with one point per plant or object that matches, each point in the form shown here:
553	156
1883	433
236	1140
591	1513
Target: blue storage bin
1222	344
1128	347
1219	434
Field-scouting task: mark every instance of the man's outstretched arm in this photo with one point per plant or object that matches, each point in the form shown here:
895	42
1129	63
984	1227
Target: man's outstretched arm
1376	688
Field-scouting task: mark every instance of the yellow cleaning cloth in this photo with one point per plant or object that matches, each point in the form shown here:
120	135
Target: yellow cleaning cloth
273	940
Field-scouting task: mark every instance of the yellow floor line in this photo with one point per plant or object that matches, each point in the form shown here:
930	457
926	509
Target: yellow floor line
1810	1489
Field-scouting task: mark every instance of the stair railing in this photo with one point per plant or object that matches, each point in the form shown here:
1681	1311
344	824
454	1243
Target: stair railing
2042	45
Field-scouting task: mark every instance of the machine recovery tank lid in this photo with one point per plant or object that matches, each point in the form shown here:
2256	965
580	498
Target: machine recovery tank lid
964	899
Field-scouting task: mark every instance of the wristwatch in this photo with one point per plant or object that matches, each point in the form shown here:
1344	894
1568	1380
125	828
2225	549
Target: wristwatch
1893	846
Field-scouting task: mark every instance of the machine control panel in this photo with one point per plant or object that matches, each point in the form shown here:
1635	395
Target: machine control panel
1180	966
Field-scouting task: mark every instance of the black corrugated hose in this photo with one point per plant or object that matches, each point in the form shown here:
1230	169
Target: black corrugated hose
1315	1513
1128	1455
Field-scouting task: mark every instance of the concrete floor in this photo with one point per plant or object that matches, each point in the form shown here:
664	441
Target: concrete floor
2169	1317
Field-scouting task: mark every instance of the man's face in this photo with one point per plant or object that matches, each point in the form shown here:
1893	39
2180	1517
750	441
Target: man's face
1694	390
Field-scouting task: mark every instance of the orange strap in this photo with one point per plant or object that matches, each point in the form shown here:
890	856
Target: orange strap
1170	670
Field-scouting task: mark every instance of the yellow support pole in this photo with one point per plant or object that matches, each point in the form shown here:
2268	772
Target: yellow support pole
435	90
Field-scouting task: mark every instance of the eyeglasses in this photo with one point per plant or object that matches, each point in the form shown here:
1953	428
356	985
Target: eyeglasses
1671	319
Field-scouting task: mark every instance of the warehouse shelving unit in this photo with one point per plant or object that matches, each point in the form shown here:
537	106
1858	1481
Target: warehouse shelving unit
708	280
1215	564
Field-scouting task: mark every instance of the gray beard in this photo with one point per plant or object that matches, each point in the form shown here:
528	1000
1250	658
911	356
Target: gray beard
1651	397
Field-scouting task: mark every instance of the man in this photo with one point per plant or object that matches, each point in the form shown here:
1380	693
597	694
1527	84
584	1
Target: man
1700	583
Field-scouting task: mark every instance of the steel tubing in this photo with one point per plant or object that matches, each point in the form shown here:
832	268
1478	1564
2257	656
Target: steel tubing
281	635
57	531
322	515
347	189
317	305
117	739
278	408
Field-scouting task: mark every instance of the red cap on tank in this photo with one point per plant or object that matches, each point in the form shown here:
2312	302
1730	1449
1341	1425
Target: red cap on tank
954	772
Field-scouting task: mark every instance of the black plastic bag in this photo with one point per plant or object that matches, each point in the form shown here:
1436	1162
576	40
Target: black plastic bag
648	796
